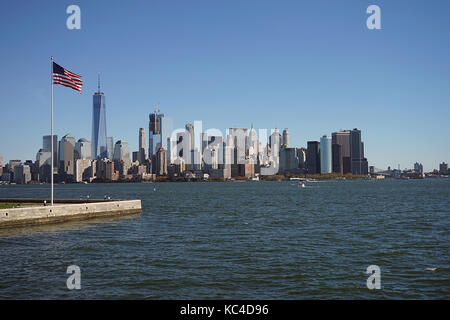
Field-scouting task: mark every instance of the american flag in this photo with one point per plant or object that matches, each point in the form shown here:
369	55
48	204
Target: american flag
66	78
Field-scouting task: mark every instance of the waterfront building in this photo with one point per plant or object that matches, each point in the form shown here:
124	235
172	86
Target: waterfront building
190	129
105	170
66	155
325	155
289	160
443	168
141	152
121	151
99	137
135	157
238	139
83	149
189	147
155	132
9	167
6	176
43	164
161	162
418	168
1	165
47	145
301	155
196	159
341	163
179	166
336	158
22	174
204	145
83	170
122	161
171	149
359	164
110	147
253	144
313	157
183	144
286	138
275	142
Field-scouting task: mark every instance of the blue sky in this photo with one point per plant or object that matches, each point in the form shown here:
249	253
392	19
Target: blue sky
310	66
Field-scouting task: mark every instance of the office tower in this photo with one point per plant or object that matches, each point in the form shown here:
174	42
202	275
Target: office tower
22	174
99	140
190	129
141	152
171	149
83	170
47	145
179	166
203	148
359	164
443	168
43	163
1	165
135	156
83	149
214	159
253	145
289	160
154	132
105	170
12	164
341	163
110	148
325	154
336	155
286	138
213	153
238	140
122	151
161	162
183	147
418	168
204	137
196	159
122	160
313	157
191	137
275	139
66	155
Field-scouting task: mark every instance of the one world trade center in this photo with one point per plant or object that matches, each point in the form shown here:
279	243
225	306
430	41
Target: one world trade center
99	148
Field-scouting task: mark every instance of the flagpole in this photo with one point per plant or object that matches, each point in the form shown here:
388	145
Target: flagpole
51	134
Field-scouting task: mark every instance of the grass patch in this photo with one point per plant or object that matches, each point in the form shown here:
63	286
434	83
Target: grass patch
12	205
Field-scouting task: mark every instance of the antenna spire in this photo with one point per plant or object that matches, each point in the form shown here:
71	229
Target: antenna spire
99	82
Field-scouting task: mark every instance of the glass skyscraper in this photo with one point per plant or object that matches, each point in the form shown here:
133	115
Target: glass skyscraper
325	154
155	133
99	142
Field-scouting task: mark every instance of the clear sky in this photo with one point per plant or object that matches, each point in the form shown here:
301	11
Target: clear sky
310	66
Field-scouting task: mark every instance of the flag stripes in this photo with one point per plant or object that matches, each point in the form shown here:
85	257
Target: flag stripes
66	78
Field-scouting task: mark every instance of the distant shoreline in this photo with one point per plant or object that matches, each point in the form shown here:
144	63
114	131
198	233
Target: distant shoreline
325	177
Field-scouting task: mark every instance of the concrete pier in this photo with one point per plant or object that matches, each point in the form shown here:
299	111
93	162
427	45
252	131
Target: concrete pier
64	210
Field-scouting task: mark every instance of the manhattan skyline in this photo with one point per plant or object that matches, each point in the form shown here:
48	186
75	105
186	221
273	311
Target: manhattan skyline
233	64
